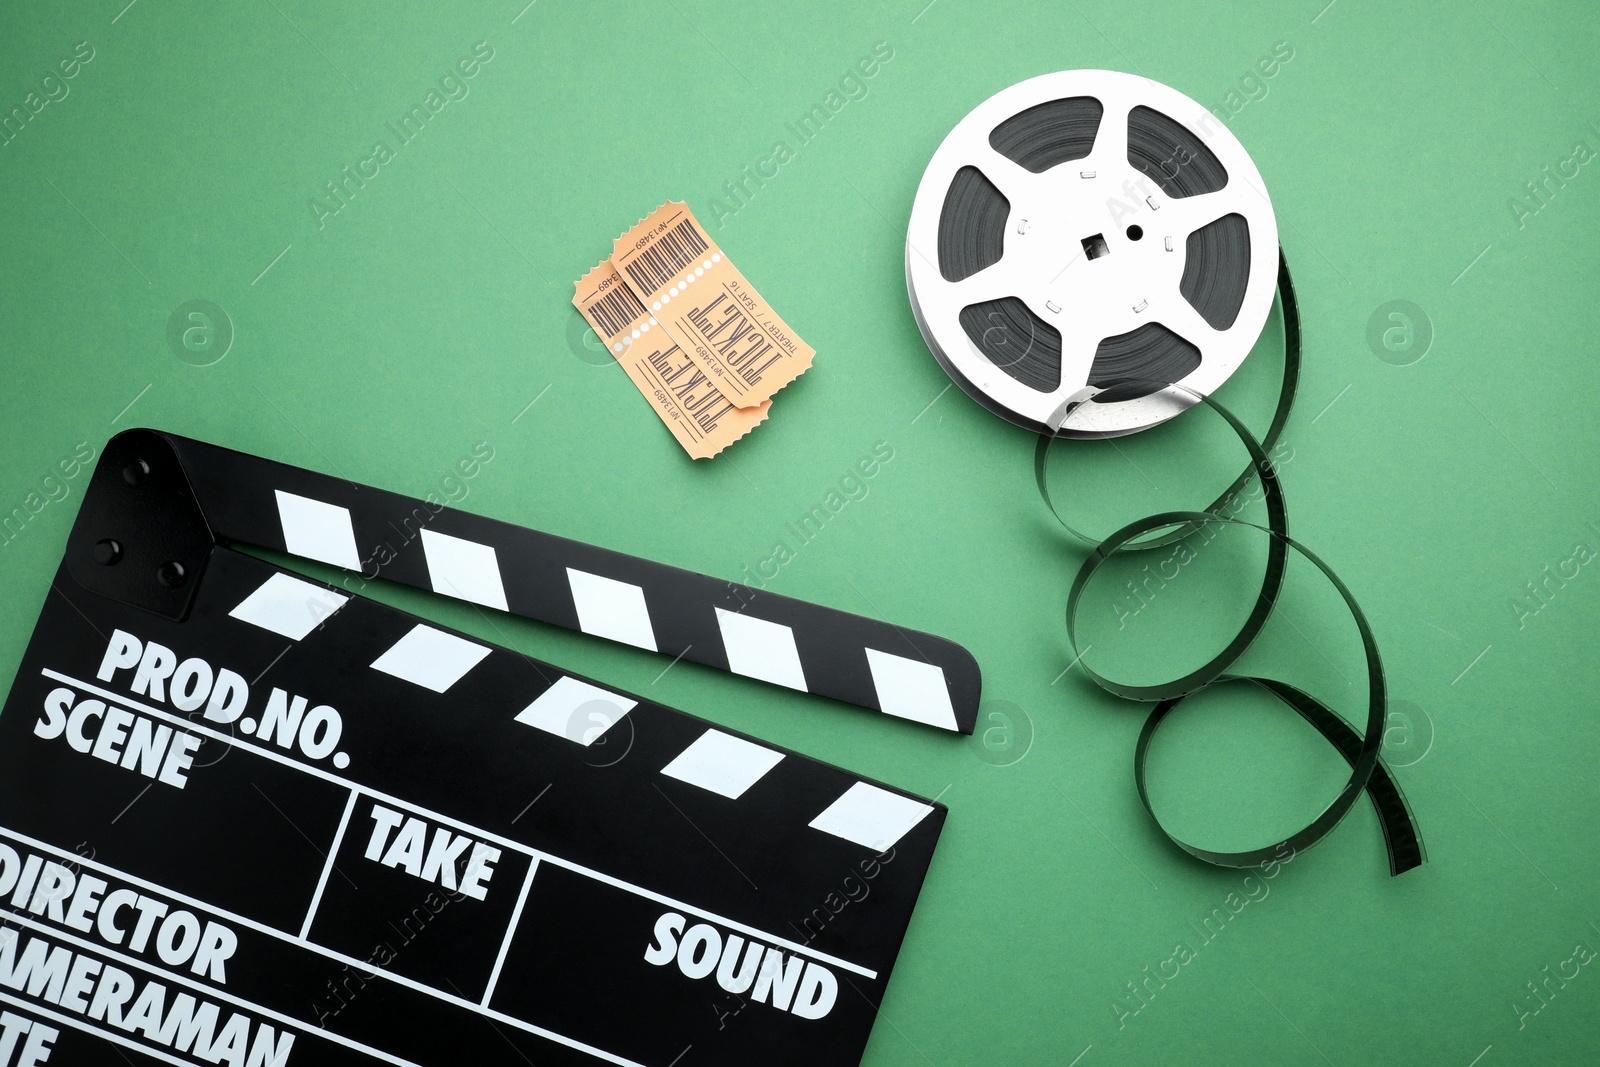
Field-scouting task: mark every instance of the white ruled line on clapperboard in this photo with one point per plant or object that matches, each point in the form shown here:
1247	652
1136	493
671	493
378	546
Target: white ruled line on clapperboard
300	939
327	868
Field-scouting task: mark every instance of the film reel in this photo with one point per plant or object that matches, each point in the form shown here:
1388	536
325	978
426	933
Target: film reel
1089	254
1085	228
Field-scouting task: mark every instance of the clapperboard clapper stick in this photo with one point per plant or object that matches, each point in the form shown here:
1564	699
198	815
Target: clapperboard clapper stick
248	500
248	818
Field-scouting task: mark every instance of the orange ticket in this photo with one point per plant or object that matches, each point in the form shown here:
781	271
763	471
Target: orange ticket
699	415
708	307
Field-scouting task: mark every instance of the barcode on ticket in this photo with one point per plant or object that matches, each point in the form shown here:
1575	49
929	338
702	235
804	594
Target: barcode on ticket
663	261
615	312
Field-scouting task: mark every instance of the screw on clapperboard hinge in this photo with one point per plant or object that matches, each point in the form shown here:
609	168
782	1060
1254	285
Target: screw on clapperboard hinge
140	537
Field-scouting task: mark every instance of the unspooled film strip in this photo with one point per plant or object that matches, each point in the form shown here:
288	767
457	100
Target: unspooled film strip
246	817
248	500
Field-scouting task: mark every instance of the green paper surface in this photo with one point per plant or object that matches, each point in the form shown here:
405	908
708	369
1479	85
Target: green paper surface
1442	461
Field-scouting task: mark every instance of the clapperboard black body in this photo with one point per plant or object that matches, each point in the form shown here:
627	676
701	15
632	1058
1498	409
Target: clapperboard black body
250	818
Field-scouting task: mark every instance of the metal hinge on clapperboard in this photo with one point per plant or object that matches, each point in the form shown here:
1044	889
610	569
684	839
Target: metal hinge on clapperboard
249	818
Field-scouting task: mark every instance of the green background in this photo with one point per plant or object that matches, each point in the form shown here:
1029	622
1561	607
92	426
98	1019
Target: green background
431	311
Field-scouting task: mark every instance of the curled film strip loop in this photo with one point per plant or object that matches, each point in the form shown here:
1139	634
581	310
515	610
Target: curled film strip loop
1186	523
1168	296
1361	749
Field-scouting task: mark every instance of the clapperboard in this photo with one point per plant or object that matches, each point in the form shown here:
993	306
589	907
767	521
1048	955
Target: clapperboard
361	838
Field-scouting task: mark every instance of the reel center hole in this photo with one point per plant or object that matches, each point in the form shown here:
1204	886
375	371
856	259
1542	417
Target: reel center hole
1094	246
